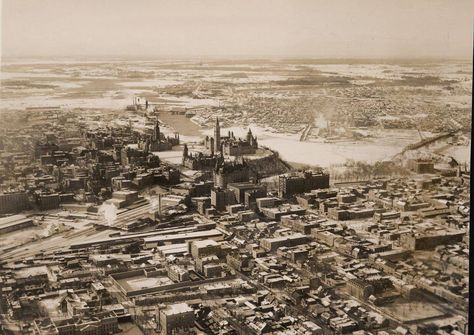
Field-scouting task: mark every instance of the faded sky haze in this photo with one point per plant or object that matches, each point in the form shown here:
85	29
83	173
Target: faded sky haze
241	28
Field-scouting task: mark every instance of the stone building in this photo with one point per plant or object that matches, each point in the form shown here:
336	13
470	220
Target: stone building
157	141
297	183
176	317
230	145
227	172
198	161
421	166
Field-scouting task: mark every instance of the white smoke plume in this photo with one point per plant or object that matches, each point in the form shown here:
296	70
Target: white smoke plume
321	122
109	212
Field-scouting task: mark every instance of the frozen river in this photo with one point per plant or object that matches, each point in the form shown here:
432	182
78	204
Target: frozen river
382	147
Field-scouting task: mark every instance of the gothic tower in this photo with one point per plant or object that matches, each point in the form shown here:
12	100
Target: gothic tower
156	132
185	151
217	136
147	146
249	136
212	146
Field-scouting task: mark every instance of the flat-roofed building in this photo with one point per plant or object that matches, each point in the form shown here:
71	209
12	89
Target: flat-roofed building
176	317
123	198
421	166
36	275
155	241
13	202
276	213
178	274
271	244
203	248
220	198
296	183
48	201
240	189
425	241
267	202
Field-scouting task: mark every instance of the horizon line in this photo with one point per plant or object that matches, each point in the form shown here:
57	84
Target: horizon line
235	57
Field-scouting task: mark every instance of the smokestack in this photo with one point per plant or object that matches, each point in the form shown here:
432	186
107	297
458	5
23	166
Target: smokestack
159	204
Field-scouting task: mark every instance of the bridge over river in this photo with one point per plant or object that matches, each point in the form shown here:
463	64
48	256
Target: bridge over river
427	141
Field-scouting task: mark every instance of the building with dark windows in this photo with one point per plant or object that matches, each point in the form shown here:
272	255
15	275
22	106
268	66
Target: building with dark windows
13	202
176	317
231	172
301	182
421	166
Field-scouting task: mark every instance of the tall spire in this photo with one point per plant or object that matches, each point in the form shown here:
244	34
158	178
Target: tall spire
185	151
147	145
217	136
212	146
156	132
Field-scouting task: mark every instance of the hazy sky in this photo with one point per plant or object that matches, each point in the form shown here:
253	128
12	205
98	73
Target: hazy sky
260	28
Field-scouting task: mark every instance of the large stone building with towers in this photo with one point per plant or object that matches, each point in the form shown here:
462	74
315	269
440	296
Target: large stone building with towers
230	145
157	141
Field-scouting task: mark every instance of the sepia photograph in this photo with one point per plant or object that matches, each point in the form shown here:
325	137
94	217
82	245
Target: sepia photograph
227	167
